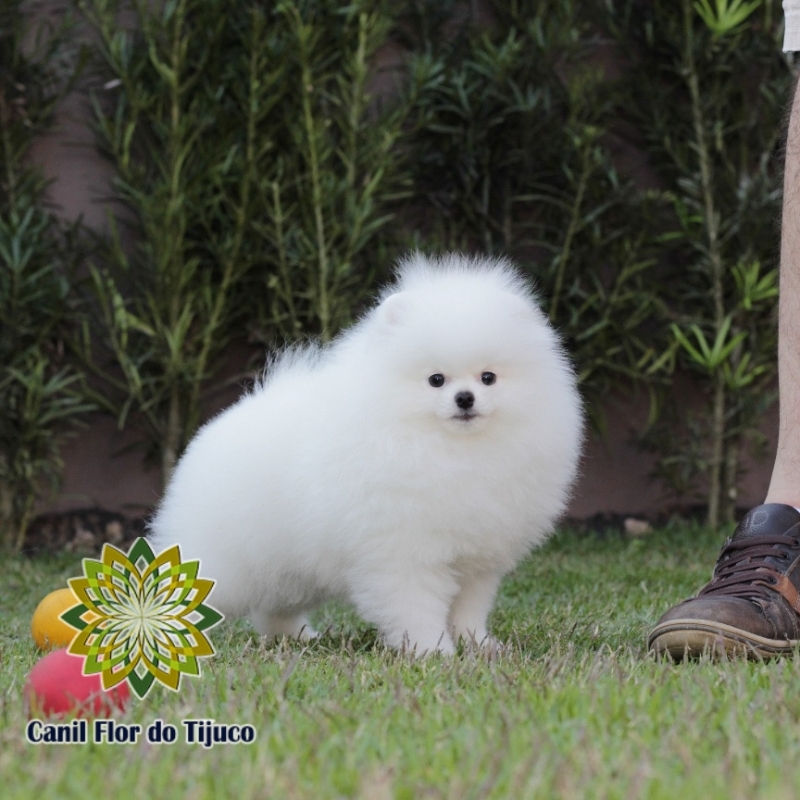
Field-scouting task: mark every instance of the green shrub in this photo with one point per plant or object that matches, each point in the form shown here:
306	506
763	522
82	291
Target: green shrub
39	391
265	183
512	158
708	89
338	170
257	176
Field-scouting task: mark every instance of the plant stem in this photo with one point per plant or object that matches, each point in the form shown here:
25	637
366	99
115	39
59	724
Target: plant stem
172	438
731	475
572	229
24	520
353	126
287	292
711	225
312	139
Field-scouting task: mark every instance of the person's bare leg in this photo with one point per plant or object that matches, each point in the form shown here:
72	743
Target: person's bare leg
785	484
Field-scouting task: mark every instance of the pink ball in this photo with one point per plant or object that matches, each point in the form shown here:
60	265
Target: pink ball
57	686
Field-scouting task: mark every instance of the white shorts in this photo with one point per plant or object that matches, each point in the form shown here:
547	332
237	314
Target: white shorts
791	35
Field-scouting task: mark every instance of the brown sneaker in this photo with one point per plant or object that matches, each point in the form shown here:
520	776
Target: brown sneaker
752	604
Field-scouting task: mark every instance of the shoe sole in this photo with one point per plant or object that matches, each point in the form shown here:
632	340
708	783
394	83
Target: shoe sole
687	638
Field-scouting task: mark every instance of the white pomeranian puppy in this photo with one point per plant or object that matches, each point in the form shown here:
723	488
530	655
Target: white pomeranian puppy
406	467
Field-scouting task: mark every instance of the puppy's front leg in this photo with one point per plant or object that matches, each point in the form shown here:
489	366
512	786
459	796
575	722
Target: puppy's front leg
472	605
410	609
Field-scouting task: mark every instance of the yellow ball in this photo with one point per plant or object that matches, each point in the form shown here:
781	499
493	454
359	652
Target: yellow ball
47	629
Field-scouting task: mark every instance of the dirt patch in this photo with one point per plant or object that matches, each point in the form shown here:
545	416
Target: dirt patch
83	531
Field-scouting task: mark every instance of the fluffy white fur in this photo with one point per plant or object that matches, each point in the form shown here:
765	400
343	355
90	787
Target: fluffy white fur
346	474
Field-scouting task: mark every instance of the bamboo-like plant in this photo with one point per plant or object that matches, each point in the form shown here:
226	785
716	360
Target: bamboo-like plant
40	393
258	176
710	86
184	118
338	168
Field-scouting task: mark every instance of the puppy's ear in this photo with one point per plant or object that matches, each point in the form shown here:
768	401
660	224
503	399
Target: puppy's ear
391	312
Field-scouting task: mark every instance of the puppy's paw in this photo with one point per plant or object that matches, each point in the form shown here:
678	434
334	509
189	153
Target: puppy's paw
423	646
492	648
308	634
487	646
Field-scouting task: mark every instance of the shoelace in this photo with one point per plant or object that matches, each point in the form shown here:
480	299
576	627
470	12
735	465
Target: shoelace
742	569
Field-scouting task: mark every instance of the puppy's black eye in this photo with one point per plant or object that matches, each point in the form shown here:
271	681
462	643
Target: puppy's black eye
436	380
488	378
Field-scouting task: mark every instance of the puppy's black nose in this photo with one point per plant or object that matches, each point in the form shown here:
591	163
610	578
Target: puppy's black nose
465	400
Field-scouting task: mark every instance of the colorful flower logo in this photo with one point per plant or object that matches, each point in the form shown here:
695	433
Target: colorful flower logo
141	618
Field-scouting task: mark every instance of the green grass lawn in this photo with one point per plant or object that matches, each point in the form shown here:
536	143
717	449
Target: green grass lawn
574	708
